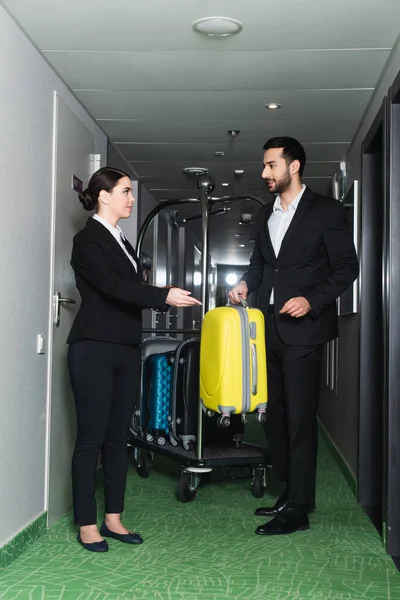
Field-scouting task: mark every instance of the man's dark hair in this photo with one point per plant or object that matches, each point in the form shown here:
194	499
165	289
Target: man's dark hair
291	150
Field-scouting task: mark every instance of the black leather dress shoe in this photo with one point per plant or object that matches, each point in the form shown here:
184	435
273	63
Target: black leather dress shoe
95	546
125	538
286	522
273	511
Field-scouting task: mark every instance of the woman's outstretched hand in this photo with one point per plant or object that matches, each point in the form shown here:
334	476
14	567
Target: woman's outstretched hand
179	298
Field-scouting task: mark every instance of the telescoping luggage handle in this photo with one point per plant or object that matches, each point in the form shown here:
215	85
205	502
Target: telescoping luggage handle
252	335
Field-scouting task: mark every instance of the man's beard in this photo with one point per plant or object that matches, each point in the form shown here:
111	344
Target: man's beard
281	185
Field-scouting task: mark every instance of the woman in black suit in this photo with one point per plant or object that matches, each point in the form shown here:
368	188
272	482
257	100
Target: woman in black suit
104	354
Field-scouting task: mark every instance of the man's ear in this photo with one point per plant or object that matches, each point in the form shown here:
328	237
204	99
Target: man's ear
295	167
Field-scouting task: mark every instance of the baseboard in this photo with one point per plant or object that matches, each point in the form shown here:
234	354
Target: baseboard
22	540
340	460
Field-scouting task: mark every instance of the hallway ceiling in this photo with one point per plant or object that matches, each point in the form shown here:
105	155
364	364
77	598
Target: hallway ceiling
167	96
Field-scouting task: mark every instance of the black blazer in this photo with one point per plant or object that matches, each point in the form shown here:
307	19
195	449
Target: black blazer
317	260
112	293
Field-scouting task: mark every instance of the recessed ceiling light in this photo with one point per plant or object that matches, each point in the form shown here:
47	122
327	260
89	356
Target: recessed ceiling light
241	246
195	171
239	172
273	106
219	153
217	26
238	234
225	184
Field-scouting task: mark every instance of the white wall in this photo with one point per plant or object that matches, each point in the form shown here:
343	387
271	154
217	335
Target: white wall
27	85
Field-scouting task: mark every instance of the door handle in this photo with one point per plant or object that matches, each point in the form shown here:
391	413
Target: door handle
57	302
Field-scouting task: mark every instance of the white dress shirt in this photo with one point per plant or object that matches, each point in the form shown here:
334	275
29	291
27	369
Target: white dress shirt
279	222
117	233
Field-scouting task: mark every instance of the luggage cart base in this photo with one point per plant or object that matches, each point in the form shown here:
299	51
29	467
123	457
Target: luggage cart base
215	456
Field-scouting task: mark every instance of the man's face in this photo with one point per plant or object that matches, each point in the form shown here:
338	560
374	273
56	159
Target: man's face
277	173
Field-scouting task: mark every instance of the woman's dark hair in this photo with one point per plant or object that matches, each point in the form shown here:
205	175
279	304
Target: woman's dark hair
106	179
291	150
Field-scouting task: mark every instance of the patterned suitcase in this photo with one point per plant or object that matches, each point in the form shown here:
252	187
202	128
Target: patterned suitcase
150	346
233	365
157	393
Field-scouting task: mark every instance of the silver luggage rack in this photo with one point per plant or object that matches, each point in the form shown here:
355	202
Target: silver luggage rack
201	459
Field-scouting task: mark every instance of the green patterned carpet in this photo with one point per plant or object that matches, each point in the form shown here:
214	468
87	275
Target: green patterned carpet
208	550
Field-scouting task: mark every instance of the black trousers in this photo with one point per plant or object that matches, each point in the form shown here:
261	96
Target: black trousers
105	381
294	374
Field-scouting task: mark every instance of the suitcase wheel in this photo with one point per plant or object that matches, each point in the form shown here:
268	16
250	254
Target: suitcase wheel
261	417
238	443
161	441
223	421
144	463
149	437
185	491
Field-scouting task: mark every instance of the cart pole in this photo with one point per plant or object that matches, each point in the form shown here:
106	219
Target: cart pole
206	186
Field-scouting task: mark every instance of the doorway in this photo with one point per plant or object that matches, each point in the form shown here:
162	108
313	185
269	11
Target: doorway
391	499
372	361
74	160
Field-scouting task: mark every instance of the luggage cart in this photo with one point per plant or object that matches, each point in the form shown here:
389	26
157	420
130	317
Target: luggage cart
202	459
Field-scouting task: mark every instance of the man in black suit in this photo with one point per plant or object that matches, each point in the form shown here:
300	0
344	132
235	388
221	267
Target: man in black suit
303	260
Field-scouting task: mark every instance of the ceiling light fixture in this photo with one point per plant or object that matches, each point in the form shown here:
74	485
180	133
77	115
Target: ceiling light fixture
239	172
195	171
217	26
241	246
225	184
218	153
273	106
231	278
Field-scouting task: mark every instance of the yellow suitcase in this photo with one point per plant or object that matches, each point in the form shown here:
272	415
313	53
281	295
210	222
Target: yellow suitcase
233	364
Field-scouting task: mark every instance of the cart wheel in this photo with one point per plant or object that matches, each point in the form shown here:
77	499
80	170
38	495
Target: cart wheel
144	463
258	484
184	492
161	441
149	437
223	421
261	417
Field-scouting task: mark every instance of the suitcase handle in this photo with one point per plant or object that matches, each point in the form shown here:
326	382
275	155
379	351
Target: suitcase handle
254	370
242	301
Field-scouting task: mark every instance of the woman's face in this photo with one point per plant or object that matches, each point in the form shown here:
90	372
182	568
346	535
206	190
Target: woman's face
120	200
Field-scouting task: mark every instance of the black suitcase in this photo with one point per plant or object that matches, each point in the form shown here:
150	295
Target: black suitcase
185	404
185	394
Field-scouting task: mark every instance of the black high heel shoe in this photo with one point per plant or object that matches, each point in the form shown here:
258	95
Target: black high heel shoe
125	538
